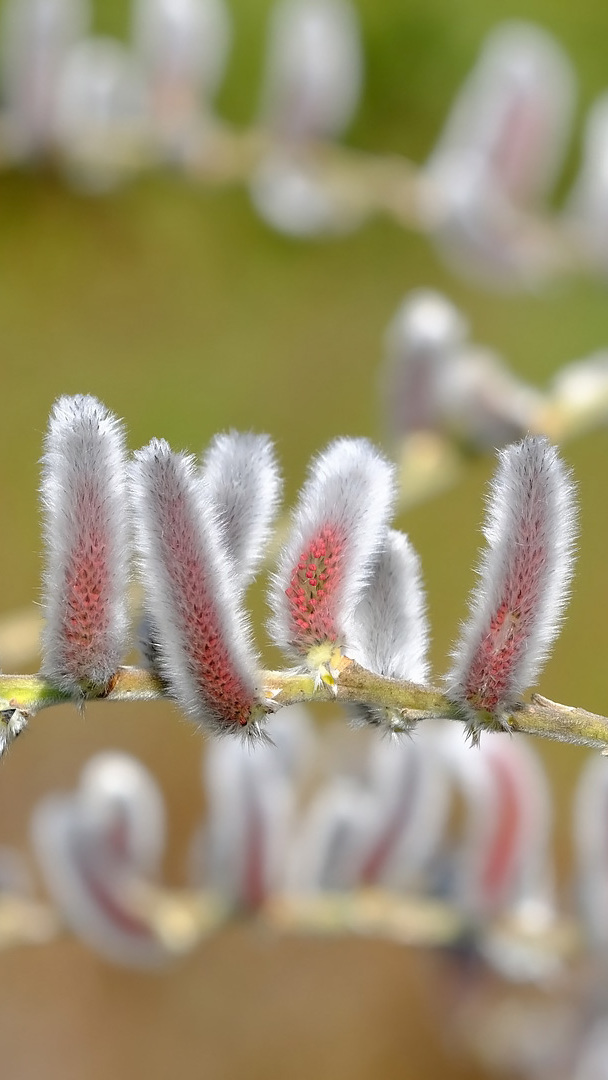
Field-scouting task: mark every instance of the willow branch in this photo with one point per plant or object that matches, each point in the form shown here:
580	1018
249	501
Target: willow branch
29	694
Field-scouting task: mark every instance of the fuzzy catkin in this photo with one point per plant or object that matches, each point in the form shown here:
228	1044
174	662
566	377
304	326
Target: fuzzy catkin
86	532
242	479
192	596
524	580
337	530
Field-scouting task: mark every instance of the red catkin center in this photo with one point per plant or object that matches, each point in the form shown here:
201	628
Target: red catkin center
314	588
523	126
502	850
200	625
253	881
386	842
102	870
489	681
86	615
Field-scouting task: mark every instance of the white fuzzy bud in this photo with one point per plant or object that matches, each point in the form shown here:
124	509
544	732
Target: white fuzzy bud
94	846
314	72
382	828
500	152
504	857
420	342
578	394
183	47
435	379
102	115
36	37
292	195
326	852
482	402
243	847
242	480
183	44
390	629
411	805
514	113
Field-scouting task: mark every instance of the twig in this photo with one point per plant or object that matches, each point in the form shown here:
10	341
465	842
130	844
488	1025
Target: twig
29	694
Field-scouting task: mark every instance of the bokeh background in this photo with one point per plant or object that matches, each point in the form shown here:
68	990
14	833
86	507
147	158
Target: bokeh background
186	315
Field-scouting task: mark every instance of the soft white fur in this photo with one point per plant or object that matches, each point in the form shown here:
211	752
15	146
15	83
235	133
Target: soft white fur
242	478
36	37
183	42
520	66
314	72
397	809
70	834
251	799
390	631
327	848
480	777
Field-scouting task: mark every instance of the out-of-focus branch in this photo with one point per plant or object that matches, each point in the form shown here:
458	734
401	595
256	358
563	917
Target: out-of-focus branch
182	919
365	185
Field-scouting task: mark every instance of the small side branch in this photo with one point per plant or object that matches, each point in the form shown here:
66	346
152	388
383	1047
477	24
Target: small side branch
29	694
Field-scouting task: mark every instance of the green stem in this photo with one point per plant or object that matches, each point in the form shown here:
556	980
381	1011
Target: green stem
547	719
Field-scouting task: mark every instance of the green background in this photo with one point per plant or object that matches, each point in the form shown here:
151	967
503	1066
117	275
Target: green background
186	315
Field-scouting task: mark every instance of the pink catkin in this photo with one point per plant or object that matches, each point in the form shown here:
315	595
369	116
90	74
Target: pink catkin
97	877
337	530
490	675
503	849
86	618
86	575
386	842
312	590
523	128
202	632
524	581
254	887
